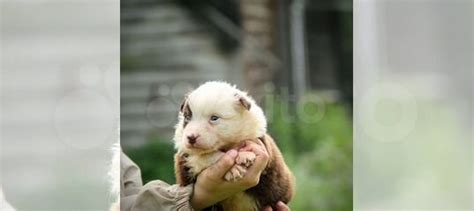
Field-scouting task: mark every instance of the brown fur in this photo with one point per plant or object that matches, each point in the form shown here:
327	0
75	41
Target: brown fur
276	182
183	177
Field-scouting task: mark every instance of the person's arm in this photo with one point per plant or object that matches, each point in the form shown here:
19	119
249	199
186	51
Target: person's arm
209	188
158	195
155	195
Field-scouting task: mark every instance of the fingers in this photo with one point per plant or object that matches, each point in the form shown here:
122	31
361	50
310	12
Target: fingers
224	164
260	162
282	207
268	209
250	145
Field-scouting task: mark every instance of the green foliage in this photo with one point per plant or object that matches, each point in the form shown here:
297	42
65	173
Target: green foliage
155	159
318	150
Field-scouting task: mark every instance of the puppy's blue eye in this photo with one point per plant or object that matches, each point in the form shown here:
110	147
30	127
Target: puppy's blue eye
187	118
214	118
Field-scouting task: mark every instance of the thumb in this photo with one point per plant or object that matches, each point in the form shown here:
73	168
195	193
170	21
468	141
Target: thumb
224	164
268	209
282	206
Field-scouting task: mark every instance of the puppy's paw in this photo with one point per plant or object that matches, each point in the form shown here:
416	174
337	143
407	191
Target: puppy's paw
245	158
236	173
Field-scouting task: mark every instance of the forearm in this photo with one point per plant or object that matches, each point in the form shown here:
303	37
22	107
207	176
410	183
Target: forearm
155	195
158	195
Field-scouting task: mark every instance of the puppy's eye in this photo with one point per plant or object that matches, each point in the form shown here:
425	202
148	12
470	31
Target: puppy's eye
187	117
214	119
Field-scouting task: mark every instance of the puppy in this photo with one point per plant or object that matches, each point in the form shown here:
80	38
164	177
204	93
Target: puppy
216	117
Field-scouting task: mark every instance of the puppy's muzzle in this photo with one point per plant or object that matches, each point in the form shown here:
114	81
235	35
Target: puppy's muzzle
192	139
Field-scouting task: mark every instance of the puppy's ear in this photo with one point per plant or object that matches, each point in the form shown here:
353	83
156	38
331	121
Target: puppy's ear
183	104
243	101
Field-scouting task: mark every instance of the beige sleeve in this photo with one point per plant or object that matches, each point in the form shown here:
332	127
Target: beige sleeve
155	195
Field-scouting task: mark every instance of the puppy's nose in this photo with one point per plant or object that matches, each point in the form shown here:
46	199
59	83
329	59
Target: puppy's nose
192	139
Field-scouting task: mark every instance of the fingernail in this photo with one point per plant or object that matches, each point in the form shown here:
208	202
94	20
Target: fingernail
232	153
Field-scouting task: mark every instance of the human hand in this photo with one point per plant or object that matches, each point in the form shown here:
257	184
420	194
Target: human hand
211	187
280	206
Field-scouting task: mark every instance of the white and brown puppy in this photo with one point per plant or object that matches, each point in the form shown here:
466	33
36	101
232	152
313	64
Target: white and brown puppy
216	117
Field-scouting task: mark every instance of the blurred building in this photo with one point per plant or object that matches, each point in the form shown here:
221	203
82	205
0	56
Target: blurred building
170	46
59	98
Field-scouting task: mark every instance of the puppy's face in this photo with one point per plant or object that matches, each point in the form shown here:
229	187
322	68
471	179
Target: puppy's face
212	120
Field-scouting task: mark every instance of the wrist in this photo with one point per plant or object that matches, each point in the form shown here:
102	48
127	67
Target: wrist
198	197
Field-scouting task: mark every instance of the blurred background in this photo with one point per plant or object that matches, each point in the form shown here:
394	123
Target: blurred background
413	82
59	102
294	57
413	107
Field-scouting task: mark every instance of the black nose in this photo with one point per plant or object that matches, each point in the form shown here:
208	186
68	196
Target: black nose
192	139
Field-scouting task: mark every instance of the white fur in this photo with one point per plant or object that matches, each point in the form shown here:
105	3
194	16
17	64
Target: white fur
4	205
235	124
114	172
114	177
